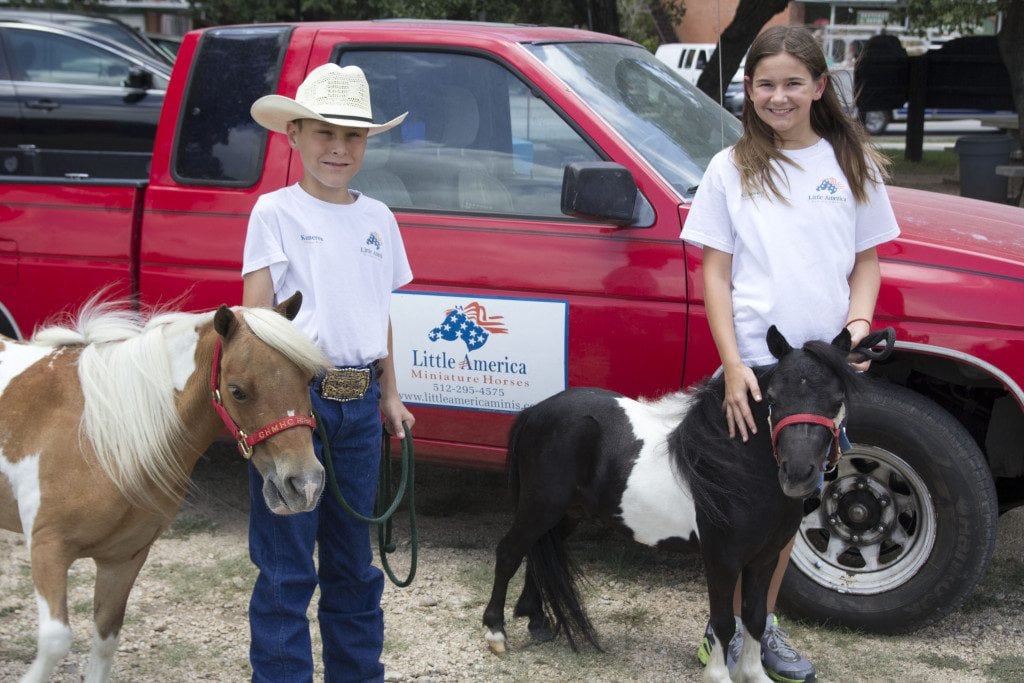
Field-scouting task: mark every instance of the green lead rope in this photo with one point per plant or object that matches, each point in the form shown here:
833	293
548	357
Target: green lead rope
383	520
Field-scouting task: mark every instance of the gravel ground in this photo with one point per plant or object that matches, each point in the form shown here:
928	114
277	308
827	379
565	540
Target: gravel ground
187	615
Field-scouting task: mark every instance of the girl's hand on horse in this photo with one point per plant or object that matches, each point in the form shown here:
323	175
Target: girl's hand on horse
740	382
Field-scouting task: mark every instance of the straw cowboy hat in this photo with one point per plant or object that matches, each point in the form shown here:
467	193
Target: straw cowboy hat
330	93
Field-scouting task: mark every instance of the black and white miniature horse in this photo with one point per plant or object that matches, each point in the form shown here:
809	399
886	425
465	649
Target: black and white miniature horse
666	472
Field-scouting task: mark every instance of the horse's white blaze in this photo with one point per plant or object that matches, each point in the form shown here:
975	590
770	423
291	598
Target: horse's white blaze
101	657
748	666
24	479
656	504
54	642
181	349
716	671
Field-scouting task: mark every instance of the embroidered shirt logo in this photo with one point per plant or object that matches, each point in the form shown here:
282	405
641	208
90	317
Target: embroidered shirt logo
828	190
373	246
311	238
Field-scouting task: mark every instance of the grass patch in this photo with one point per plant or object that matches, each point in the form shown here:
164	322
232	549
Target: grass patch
940	661
228	575
1005	668
932	161
636	615
186	524
178	654
82	607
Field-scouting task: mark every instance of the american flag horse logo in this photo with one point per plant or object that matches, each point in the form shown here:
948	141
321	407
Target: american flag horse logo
469	323
833	185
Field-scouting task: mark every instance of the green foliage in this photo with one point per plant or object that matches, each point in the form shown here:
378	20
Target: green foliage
948	15
549	12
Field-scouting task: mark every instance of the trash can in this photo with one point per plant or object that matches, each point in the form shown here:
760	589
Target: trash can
979	156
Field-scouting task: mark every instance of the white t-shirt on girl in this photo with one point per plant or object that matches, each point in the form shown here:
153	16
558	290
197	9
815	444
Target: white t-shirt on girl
790	263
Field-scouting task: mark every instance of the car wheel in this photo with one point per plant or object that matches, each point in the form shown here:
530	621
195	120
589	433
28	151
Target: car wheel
875	122
904	528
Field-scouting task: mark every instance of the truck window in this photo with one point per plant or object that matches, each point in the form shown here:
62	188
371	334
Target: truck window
476	139
671	123
218	141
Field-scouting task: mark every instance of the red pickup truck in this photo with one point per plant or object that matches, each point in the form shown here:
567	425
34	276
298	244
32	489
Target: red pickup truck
540	181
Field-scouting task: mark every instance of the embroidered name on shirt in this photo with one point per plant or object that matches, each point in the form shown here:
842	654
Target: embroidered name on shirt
311	238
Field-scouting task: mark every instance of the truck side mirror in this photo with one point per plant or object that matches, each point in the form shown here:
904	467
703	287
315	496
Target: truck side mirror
604	191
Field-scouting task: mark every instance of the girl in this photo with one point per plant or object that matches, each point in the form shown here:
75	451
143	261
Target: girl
788	219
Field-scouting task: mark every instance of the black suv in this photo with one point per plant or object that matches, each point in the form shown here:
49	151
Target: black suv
72	103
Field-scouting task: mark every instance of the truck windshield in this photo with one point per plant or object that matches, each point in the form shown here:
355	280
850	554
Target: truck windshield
671	123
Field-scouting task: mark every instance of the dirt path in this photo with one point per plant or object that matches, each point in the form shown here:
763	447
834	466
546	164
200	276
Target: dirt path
187	615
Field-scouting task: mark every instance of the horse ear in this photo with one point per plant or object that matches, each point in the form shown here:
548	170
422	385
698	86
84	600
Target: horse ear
289	308
225	322
843	341
777	344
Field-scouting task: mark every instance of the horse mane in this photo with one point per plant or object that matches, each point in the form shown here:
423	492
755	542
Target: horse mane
130	390
277	332
705	456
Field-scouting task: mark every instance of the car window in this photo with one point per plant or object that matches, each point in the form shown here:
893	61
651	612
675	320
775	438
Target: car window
48	58
476	140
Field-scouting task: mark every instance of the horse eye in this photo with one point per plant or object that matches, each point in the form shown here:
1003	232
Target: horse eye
237	393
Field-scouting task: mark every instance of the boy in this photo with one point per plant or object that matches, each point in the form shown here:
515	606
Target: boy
343	251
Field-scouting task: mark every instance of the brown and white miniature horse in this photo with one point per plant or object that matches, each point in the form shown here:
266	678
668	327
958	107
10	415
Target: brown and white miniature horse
102	423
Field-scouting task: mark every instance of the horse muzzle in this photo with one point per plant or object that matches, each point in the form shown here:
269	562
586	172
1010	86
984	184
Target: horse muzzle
293	493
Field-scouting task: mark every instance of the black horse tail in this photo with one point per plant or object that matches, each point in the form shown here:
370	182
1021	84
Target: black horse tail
555	576
512	454
549	568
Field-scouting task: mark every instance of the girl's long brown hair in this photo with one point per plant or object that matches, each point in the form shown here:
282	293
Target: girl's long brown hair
757	147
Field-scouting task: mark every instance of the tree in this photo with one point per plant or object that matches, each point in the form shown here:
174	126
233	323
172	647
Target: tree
750	18
599	15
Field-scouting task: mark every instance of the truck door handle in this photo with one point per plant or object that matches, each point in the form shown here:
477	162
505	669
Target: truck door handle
48	105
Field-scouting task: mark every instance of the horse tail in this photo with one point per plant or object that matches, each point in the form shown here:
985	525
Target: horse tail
555	575
512	454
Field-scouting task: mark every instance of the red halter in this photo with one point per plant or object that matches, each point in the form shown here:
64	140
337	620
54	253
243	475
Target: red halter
832	424
244	441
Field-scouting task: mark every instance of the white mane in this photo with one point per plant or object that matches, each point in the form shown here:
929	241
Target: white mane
128	379
278	333
128	385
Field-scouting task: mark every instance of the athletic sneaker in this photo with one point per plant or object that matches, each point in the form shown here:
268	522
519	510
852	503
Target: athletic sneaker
731	655
781	662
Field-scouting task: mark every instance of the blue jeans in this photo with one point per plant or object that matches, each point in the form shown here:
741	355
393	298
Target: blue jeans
351	619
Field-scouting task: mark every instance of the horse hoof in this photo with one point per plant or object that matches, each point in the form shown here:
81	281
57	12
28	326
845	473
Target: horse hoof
496	642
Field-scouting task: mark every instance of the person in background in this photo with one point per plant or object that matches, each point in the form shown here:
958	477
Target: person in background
788	218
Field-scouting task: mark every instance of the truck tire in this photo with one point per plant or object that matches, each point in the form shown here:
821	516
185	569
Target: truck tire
875	122
904	528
